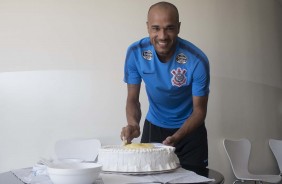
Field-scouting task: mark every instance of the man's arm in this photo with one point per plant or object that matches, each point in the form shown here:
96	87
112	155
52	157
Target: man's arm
193	122
133	113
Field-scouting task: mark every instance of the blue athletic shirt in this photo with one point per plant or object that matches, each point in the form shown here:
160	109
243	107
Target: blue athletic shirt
170	86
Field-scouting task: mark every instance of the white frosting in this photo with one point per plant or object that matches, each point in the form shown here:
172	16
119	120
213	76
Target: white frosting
120	159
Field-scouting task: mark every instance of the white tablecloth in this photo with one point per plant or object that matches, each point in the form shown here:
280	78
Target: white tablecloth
180	175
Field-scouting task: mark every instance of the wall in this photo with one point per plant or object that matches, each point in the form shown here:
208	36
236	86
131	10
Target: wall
61	70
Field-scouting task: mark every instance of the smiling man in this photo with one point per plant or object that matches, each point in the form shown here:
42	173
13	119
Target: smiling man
176	76
163	27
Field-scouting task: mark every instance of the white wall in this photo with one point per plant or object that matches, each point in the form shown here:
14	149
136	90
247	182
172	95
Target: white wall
61	65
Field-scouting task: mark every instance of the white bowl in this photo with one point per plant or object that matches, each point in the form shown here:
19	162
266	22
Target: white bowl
74	173
69	160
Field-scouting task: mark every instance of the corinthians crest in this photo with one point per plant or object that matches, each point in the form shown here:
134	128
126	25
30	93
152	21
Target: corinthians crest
181	58
178	79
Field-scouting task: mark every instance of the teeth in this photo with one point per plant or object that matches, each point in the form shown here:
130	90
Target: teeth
162	43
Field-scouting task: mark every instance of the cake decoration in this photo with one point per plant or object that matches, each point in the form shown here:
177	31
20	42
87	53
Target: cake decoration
139	145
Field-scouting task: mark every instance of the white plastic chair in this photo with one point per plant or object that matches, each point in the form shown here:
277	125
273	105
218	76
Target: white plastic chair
238	152
83	149
276	148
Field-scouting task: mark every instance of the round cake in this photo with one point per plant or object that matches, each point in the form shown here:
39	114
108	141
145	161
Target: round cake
137	158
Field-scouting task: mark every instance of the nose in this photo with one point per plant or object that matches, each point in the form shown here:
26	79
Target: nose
162	34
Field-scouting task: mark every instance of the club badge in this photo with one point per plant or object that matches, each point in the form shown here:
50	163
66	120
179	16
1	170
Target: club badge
178	79
147	55
181	58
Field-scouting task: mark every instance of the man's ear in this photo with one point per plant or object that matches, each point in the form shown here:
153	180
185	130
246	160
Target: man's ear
147	26
179	24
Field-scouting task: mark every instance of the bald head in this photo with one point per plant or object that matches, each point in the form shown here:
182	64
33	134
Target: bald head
166	6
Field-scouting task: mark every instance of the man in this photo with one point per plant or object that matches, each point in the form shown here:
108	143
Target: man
176	76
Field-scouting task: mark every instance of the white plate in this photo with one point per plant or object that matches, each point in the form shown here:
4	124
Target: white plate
83	149
141	173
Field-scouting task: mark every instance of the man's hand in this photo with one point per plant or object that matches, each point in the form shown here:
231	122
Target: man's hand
196	119
130	132
170	141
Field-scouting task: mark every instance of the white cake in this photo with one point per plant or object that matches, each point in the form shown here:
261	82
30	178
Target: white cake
133	158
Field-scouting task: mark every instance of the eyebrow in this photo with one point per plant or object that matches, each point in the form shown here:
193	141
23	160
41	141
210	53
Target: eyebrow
168	26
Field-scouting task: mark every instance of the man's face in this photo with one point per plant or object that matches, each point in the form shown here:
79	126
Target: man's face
163	28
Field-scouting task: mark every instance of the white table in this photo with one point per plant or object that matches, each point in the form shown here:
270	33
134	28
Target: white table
10	178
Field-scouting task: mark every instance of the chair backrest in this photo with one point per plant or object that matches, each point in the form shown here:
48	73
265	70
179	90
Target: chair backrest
238	152
276	148
84	149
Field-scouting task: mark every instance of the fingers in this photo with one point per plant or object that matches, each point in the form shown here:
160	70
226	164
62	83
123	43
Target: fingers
169	141
123	134
126	133
130	132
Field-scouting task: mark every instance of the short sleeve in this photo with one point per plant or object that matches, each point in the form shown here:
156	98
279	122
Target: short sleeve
131	74
201	79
